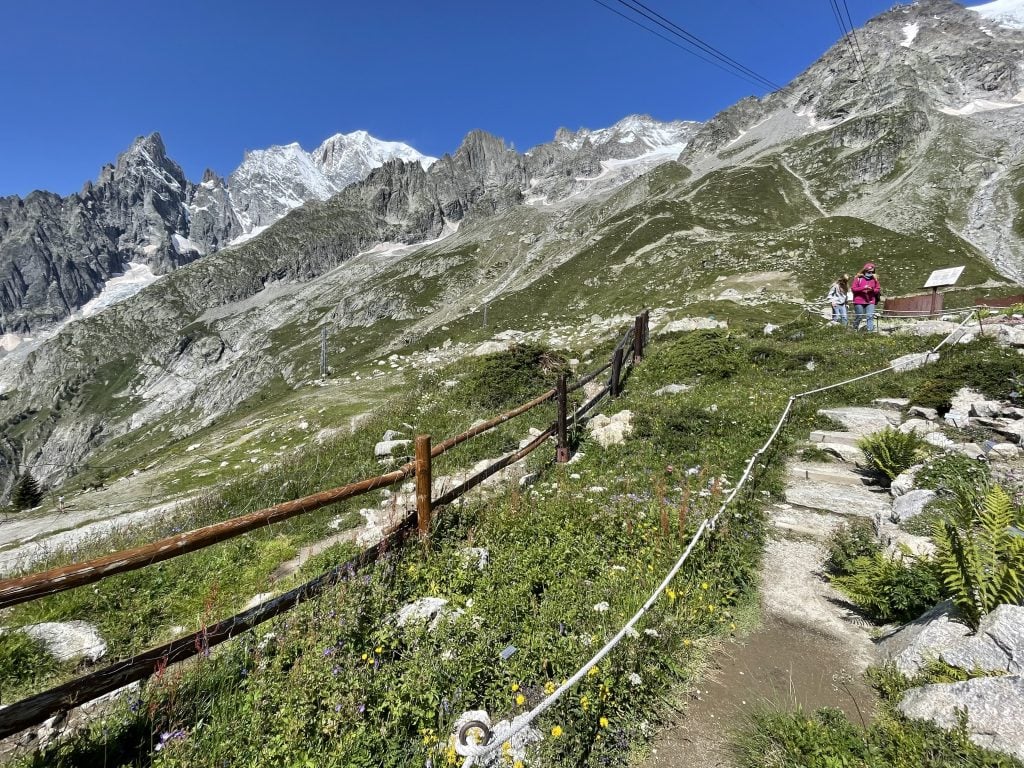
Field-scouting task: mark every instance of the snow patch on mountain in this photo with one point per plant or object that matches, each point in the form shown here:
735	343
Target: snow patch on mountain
135	277
1006	13
910	34
983	105
646	131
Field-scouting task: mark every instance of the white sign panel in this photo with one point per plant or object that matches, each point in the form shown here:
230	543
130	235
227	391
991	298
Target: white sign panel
941	277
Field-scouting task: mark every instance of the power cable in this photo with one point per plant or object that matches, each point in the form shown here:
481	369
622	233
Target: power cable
653	15
692	44
681	47
847	36
853	32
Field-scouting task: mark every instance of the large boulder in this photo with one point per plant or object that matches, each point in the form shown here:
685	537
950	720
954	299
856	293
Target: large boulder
994	707
997	646
922	640
692	324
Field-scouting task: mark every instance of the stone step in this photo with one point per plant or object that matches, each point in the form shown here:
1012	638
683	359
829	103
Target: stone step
863	421
828	436
853	500
850	454
834	474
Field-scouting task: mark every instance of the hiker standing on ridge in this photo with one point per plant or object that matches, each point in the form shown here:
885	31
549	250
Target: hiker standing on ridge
837	298
866	292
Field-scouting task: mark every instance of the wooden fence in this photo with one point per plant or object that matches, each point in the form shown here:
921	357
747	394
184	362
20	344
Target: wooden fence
34	709
914	306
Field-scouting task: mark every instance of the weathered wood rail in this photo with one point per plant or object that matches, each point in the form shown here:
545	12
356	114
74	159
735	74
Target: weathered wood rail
34	709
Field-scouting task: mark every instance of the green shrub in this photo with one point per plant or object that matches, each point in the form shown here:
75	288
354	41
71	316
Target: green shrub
935	393
896	588
980	559
949	471
26	493
827	739
505	379
891	684
713	355
849	542
891	451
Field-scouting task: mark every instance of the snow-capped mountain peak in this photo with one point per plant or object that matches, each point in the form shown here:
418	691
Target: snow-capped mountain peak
270	182
1006	13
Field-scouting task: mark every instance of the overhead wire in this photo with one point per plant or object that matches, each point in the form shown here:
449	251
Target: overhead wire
649	13
691	44
848	33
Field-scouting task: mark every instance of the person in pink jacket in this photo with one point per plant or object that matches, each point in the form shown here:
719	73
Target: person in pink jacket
866	292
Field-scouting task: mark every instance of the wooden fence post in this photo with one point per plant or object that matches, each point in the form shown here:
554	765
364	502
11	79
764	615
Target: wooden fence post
423	485
616	385
562	453
638	339
647	327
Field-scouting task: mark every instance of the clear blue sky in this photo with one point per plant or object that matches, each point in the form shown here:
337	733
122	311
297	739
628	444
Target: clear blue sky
82	79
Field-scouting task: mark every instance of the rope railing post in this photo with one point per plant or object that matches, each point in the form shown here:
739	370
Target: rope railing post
423	486
638	338
647	326
562	452
616	383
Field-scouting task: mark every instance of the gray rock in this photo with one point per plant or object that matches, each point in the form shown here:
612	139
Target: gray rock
913	645
920	426
839	499
986	408
769	329
432	610
925	413
390	435
910	505
862	421
672	389
998	645
939	440
608	431
385	448
904	481
1003	452
692	324
1013	429
69	640
994	707
970	450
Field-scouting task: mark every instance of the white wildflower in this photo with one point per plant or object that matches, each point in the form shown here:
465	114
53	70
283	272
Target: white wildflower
635	679
651	633
602	607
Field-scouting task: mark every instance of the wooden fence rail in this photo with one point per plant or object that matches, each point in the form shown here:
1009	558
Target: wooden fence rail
35	709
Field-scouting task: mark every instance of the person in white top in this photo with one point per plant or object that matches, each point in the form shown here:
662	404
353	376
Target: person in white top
837	298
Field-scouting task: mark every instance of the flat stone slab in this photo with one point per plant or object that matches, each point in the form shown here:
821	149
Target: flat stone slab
851	454
829	436
839	499
862	421
910	504
915	644
836	474
804	522
994	707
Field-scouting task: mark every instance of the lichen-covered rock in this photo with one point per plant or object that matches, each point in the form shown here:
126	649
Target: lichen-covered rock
910	504
904	482
994	707
611	430
997	646
69	640
922	640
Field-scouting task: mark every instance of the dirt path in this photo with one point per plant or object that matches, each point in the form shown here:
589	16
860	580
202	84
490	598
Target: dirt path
811	648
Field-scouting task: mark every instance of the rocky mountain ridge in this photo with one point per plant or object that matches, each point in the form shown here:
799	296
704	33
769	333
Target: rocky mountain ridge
57	253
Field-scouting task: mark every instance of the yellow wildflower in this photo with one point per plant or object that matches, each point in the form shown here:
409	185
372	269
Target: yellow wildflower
379	649
515	687
732	626
686	642
603	722
549	687
365	657
595	670
705	585
584	702
520	699
556	731
711	609
671	594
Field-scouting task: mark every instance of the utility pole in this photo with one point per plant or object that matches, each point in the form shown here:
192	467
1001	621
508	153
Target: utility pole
323	352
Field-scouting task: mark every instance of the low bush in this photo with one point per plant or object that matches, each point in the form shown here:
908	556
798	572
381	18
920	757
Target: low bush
827	739
891	588
712	355
890	451
505	379
849	542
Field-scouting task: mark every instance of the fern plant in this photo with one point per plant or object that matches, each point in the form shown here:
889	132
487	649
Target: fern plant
891	588
980	556
890	451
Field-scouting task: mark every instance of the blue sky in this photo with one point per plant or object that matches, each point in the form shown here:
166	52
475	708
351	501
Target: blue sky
82	79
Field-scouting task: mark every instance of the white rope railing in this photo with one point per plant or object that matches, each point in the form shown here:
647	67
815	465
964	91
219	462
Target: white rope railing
494	739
